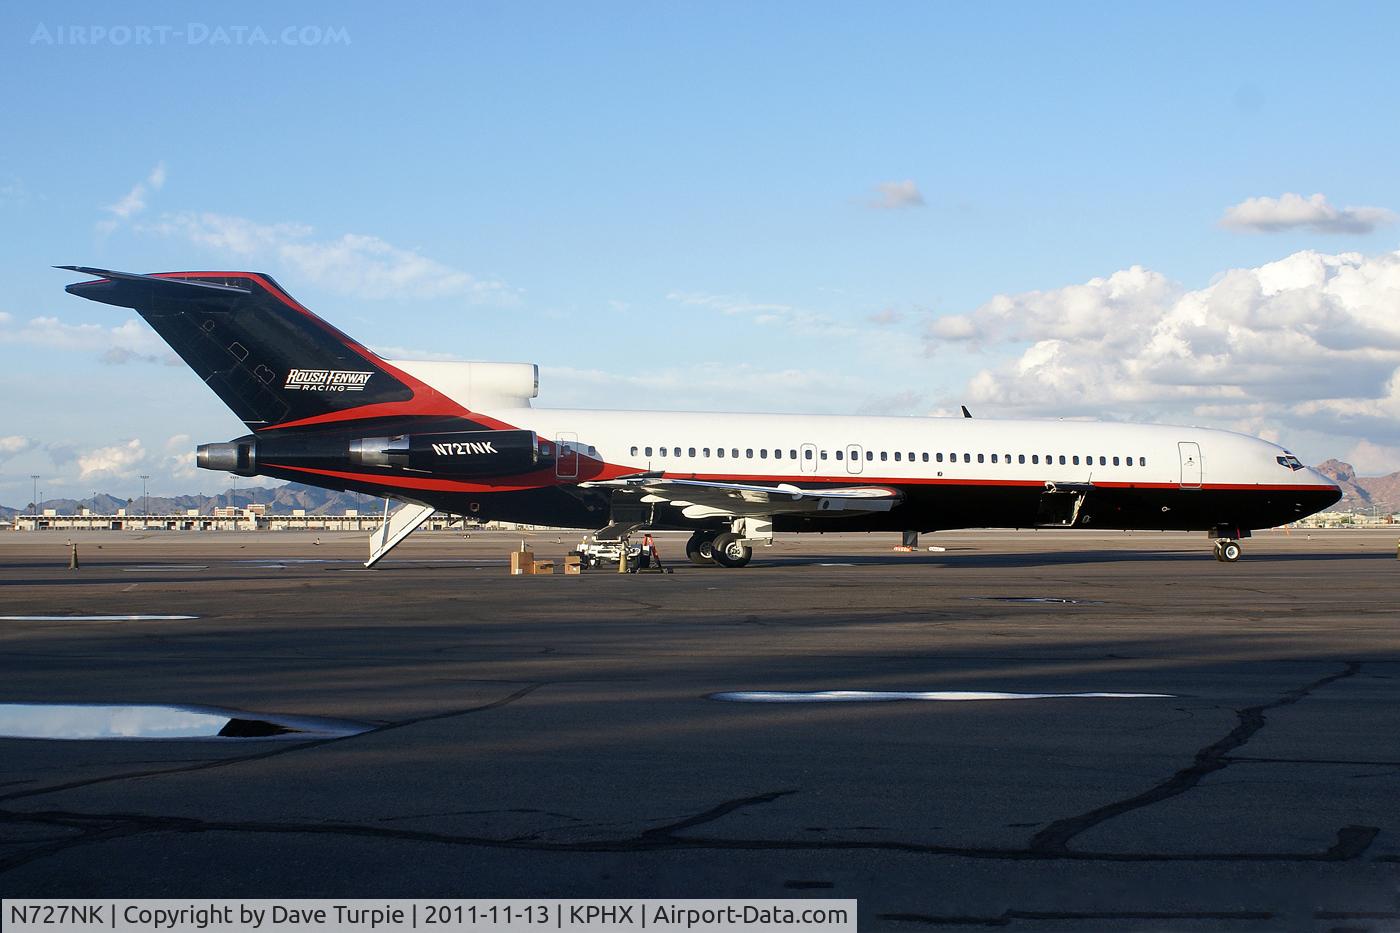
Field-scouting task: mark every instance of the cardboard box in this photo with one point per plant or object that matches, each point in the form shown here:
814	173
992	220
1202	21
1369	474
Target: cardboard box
522	562
573	565
544	566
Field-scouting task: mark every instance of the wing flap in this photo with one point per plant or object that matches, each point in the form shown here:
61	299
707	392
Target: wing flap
708	498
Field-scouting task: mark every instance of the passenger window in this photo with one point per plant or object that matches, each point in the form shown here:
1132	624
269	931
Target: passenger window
1062	460
777	453
719	453
1076	459
792	455
748	452
1020	458
734	452
884	455
692	451
938	457
994	458
824	454
1142	461
1130	461
704	451
840	455
981	458
1035	458
870	455
898	455
1115	461
1103	461
634	451
926	457
807	454
967	458
648	451
763	454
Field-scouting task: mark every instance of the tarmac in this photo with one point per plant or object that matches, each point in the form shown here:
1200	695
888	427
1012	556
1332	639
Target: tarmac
560	736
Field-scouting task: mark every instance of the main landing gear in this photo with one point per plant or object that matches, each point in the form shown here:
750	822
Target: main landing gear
711	548
733	548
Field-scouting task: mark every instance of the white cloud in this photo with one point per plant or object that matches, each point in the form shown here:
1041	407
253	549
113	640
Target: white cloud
353	263
1373	459
13	445
120	461
134	201
893	195
885	316
1293	211
129	341
1310	342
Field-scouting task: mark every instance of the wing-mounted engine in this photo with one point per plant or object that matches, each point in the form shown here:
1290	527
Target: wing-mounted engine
456	453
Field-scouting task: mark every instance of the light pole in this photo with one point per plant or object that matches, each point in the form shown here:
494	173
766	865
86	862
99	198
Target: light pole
35	478
145	498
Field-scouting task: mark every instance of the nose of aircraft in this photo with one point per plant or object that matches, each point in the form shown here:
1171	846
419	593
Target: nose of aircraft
1328	491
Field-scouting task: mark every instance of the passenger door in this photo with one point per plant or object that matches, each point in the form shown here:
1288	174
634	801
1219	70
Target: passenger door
1190	464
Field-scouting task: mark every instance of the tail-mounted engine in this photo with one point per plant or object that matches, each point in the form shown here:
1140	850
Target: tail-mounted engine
459	453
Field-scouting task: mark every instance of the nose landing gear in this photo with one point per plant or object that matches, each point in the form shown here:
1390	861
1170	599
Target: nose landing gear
1227	542
1227	551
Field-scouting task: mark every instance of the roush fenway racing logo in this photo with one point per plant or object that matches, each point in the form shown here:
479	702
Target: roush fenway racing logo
328	380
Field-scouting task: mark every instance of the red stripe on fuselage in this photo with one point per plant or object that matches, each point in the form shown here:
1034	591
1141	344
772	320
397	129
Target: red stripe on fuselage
542	479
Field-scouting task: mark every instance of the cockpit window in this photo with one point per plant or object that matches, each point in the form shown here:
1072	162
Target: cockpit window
1290	461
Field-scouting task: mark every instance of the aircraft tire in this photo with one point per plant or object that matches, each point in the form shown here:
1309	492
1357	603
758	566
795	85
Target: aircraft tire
700	549
1229	551
729	552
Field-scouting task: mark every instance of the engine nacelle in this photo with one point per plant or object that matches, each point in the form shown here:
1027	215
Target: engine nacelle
457	453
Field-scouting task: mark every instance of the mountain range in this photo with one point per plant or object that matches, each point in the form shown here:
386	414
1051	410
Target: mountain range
280	500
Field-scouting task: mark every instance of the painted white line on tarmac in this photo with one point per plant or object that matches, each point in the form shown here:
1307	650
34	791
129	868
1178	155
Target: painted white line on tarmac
885	696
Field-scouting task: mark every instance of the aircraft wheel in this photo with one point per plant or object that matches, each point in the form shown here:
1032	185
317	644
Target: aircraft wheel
730	551
1228	551
700	549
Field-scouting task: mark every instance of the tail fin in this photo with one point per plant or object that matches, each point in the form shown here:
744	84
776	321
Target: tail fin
268	358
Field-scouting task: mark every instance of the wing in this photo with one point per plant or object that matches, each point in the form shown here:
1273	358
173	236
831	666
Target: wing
698	498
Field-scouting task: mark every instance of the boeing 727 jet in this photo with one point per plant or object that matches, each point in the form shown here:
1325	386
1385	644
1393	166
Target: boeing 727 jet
464	438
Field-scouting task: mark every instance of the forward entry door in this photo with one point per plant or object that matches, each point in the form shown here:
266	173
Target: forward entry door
1190	464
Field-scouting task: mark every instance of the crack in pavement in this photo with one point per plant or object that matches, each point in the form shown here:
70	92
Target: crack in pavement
1055	838
1351	842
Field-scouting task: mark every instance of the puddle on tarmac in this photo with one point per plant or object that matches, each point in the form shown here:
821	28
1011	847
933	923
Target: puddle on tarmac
96	618
143	721
1045	600
886	696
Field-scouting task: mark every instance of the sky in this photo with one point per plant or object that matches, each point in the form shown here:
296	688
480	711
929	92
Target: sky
1180	213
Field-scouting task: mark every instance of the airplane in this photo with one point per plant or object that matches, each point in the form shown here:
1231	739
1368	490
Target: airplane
463	438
